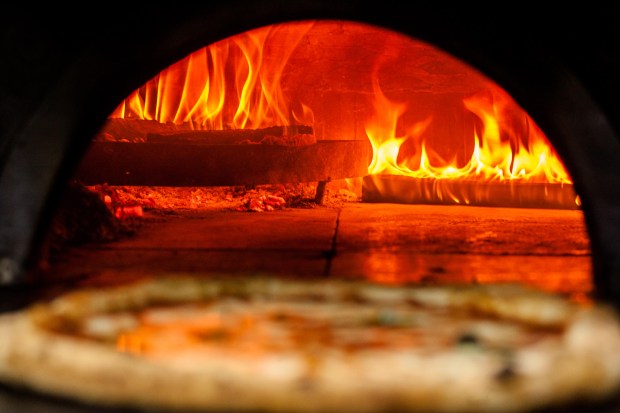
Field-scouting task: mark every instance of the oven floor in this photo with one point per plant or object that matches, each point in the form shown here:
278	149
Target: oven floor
380	242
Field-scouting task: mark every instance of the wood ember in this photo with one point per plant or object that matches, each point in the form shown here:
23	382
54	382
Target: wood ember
295	135
241	198
120	209
83	216
263	203
287	140
128	211
135	130
408	190
141	130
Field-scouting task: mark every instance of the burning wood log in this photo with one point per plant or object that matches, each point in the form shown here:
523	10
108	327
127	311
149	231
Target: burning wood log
408	190
140	130
135	130
294	135
183	164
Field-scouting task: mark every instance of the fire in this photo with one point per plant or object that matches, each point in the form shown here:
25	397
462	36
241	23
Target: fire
507	145
284	74
231	84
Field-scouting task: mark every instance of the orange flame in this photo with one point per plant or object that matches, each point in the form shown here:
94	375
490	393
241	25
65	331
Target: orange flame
234	83
507	146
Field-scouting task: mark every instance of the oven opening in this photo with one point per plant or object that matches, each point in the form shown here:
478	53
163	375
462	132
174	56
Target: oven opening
322	148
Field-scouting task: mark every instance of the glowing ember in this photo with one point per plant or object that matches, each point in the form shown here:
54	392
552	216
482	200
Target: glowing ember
507	146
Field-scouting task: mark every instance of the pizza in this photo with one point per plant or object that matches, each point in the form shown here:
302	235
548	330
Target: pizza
275	344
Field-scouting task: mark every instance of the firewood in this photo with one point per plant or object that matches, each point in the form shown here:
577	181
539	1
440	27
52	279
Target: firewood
285	135
175	164
409	190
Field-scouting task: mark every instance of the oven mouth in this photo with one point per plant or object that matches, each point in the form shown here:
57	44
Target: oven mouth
175	36
317	129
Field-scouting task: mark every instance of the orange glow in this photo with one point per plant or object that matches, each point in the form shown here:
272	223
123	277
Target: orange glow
437	269
426	114
507	145
231	84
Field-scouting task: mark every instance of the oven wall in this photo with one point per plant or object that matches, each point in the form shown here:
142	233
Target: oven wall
64	71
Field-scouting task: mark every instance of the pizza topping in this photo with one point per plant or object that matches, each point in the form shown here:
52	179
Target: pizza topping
266	316
106	327
264	326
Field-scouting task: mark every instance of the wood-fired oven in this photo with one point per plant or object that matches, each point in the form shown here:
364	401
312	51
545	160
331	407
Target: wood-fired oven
86	100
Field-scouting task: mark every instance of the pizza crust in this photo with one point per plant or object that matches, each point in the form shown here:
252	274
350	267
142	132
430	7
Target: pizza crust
577	357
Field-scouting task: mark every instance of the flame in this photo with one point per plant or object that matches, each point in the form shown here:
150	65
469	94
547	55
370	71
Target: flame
507	146
237	83
231	84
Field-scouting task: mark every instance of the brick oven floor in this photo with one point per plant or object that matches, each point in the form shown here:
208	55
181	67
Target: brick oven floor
382	242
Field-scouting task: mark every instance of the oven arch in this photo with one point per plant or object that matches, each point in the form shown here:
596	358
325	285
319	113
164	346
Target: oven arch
117	50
